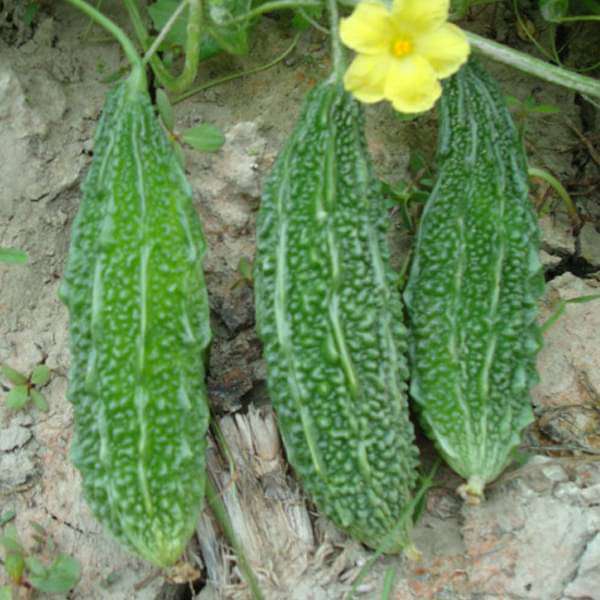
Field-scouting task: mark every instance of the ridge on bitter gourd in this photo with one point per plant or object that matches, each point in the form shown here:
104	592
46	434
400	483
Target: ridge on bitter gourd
329	314
139	328
473	286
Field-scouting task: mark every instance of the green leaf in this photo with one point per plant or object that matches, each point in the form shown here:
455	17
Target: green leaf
7	516
204	137
232	38
40	375
14	565
39	401
459	8
245	269
512	101
35	566
303	15
408	116
13	256
5	593
547	109
13	376
17	397
554	10
61	576
10	540
30	11
160	12
165	110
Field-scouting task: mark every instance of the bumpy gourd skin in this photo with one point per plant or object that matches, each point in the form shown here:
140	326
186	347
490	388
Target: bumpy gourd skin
472	291
330	317
139	327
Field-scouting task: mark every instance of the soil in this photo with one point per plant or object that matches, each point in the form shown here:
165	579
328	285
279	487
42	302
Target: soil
538	533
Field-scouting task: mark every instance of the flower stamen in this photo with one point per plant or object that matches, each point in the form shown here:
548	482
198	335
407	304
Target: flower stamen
401	47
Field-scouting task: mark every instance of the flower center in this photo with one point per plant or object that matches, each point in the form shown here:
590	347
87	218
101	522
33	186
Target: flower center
401	47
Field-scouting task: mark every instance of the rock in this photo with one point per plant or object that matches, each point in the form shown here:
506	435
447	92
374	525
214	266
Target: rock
234	177
592	495
575	427
589	245
549	261
587	579
533	537
557	234
16	469
18	122
13	437
555	473
569	362
528	546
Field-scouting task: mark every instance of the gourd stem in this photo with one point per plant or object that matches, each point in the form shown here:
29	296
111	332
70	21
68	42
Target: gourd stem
534	66
337	52
132	55
182	82
135	17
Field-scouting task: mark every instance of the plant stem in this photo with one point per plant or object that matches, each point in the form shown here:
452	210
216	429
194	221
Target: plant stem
579	18
270	7
214	501
127	45
337	52
388	584
162	74
136	20
164	32
534	66
559	189
178	84
226	78
192	48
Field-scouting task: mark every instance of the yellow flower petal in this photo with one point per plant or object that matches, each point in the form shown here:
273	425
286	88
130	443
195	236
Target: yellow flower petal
411	85
419	16
366	77
446	49
369	29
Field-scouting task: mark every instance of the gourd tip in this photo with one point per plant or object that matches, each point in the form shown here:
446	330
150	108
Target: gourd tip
472	491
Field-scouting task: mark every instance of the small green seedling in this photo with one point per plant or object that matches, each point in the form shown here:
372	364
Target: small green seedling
26	388
31	10
523	109
56	573
13	256
204	137
403	195
244	270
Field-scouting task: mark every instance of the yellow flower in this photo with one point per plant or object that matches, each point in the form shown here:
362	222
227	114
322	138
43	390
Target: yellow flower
402	52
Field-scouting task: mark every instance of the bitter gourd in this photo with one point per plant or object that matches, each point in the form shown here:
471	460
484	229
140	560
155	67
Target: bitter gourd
473	286
329	314
139	327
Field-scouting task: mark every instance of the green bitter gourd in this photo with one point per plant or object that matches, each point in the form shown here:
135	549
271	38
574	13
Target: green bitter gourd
139	328
329	314
473	286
